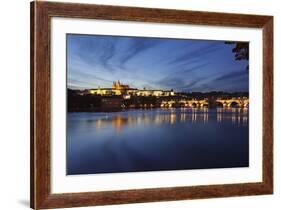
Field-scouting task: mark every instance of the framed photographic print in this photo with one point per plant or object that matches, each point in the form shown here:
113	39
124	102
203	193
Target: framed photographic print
140	105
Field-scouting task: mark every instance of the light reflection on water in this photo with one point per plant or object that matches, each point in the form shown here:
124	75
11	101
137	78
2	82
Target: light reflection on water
238	116
157	139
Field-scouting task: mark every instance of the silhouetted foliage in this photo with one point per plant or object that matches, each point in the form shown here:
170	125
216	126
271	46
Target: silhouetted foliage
241	50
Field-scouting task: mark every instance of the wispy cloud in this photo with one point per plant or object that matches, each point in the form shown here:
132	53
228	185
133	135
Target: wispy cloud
78	84
175	78
134	48
89	76
152	62
188	69
107	54
192	84
196	54
171	82
189	85
232	75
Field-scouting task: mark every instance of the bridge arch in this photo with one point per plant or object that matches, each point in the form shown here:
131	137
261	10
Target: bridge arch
182	104
194	104
219	104
234	104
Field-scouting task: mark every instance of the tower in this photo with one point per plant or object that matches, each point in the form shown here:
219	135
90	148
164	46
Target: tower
114	85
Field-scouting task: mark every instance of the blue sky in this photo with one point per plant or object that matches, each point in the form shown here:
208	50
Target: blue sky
154	63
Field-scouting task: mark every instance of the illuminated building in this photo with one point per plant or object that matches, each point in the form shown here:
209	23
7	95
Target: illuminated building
119	89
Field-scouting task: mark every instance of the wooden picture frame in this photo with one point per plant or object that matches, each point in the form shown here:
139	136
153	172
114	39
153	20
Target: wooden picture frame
41	14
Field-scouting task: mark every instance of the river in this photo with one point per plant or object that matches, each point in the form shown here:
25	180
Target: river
157	139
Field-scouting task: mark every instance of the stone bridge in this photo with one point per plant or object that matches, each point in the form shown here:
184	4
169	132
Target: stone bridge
233	102
239	102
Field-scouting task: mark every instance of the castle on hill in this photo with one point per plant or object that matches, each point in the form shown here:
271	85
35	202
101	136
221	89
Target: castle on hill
119	89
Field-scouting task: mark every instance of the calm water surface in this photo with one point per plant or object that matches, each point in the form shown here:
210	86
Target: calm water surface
157	139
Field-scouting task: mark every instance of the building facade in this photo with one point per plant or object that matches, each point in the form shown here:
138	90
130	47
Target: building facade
119	89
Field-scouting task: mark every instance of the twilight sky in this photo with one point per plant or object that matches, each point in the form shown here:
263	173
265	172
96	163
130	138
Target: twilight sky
154	63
